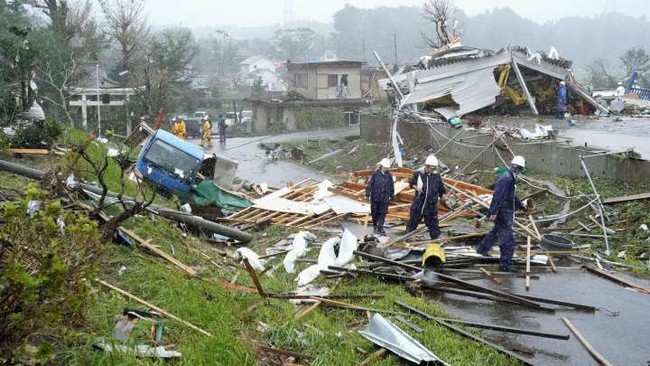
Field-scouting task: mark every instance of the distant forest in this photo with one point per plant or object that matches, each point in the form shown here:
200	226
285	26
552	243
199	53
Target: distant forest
355	30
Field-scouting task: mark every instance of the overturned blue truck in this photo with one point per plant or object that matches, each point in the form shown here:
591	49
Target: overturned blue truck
180	168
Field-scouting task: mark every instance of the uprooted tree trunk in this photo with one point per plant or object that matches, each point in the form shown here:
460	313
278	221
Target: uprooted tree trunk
441	13
141	201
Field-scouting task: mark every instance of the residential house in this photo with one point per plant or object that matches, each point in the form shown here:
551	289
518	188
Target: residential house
321	94
326	80
256	67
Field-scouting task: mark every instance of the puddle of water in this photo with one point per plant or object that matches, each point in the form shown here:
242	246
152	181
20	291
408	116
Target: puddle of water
619	330
254	166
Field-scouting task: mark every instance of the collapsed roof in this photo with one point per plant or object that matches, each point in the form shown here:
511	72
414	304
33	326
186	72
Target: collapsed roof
463	79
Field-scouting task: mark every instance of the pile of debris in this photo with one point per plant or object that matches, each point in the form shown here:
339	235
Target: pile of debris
309	204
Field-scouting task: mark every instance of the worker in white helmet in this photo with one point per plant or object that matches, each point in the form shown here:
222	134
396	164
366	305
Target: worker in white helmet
428	190
502	213
380	190
620	89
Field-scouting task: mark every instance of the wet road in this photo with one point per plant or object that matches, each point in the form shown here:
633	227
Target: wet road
255	167
619	330
606	132
613	135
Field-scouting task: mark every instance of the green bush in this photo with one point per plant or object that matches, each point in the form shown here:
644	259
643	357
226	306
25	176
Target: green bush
310	118
36	134
44	269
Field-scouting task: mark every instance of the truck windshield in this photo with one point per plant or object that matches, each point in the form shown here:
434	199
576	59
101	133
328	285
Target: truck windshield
168	158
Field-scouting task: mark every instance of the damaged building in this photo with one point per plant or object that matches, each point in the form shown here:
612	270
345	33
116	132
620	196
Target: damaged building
325	93
461	80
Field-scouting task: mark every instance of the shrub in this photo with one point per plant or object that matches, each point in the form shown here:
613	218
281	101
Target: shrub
44	267
36	134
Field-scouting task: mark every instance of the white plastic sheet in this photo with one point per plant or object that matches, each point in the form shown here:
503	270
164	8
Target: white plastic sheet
252	257
297	250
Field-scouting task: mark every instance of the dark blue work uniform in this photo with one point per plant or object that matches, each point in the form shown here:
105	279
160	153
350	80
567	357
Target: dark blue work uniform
425	203
222	130
561	99
504	204
380	190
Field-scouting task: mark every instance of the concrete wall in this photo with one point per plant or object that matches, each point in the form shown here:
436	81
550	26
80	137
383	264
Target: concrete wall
545	156
375	128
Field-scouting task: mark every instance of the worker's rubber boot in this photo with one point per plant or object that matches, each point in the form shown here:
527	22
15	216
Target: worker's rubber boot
484	253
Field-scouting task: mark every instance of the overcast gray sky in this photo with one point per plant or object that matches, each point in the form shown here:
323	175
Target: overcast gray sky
206	13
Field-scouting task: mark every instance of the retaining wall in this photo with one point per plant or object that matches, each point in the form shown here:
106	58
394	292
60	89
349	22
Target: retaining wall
545	156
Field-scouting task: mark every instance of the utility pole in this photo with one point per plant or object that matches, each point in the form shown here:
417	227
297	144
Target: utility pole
99	114
395	47
338	49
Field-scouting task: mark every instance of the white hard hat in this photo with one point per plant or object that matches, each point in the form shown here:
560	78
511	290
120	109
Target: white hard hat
431	160
562	82
173	119
385	163
519	161
620	83
206	117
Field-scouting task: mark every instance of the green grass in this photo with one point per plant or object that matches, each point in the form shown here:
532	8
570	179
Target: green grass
328	334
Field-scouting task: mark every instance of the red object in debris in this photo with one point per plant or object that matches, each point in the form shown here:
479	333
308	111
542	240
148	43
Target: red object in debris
476	123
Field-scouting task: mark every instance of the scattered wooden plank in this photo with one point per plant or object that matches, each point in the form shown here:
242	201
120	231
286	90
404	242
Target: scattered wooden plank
308	310
587	228
339	304
592	351
598	224
632	197
527	263
154	307
619	280
532	222
283	352
550	261
466	334
408	323
256	281
457	281
489	275
30	151
373	357
144	243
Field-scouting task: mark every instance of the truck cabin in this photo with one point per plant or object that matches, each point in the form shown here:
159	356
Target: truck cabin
169	162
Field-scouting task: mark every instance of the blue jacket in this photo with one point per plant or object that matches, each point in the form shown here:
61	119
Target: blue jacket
504	200
432	189
561	94
381	187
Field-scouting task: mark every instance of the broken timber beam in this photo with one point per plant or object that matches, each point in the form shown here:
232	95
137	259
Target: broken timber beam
145	244
495	327
256	280
592	351
374	357
458	281
463	332
619	280
154	307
